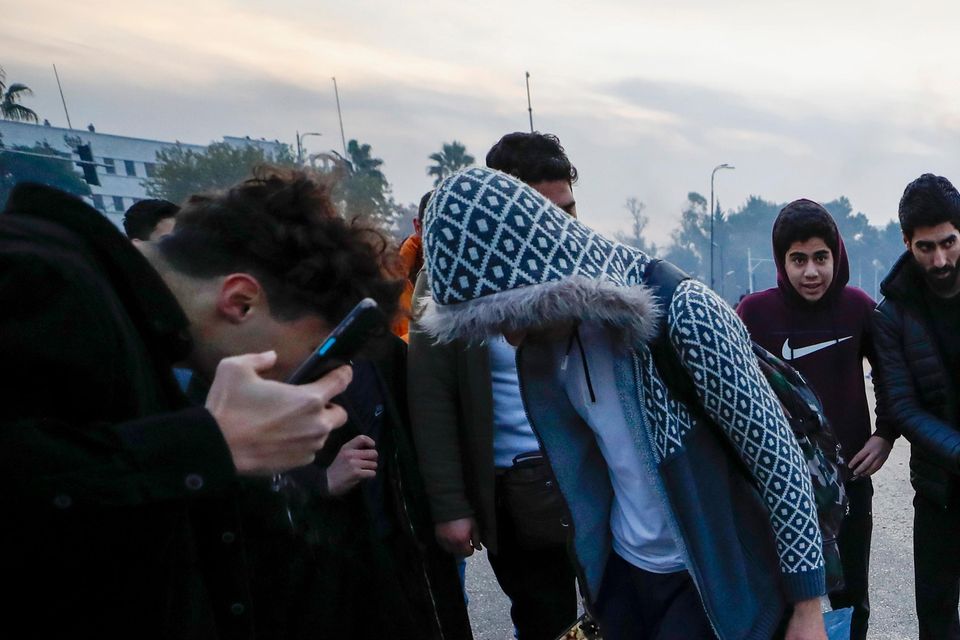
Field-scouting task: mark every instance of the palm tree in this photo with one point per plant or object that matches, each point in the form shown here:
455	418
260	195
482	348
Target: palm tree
450	159
362	162
10	107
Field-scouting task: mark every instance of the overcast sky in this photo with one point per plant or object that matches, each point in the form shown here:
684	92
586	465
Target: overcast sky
808	99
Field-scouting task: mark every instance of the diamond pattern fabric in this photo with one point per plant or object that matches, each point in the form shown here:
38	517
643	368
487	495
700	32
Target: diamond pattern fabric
485	232
715	348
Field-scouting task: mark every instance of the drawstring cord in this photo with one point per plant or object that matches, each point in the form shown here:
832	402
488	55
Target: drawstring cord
583	359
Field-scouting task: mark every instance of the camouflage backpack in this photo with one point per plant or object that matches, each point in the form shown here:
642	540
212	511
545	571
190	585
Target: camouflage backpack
802	407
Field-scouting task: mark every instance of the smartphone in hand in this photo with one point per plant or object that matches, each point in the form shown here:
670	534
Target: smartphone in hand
343	343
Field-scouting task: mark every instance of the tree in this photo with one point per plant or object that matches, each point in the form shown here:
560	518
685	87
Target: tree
690	248
362	188
55	170
638	224
10	96
451	158
182	172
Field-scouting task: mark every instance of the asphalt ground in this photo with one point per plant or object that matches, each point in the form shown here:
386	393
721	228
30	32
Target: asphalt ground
893	616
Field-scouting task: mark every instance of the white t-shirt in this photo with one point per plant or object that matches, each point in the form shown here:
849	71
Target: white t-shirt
638	520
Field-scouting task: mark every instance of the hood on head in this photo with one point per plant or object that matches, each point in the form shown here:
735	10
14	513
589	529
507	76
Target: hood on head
501	257
794	223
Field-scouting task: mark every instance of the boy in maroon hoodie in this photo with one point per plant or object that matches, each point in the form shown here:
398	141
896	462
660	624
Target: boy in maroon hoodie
821	326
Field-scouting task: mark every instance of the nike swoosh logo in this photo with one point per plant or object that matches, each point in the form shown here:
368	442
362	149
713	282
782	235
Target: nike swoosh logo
793	354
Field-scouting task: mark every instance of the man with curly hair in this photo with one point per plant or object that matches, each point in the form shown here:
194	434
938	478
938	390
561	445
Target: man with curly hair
121	500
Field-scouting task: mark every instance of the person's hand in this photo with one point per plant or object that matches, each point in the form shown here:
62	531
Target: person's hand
806	623
356	461
868	460
269	426
459	537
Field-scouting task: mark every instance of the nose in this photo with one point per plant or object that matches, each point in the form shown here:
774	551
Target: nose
939	258
810	270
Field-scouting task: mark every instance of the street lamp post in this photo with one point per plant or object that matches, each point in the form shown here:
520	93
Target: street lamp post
752	264
300	137
713	215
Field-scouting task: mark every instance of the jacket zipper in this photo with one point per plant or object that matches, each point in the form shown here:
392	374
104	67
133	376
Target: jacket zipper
423	564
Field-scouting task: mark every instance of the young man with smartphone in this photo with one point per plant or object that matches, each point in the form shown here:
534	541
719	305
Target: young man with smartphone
121	500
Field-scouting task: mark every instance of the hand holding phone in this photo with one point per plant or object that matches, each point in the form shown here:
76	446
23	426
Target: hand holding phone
343	344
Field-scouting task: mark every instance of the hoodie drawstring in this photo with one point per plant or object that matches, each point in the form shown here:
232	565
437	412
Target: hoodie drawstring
583	359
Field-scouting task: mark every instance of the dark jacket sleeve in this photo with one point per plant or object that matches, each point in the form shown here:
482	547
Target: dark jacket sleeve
886	427
898	396
70	434
433	394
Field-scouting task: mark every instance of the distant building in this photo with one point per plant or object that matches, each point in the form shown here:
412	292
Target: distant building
125	161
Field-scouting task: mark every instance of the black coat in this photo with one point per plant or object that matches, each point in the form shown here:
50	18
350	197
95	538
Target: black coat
383	574
118	503
913	386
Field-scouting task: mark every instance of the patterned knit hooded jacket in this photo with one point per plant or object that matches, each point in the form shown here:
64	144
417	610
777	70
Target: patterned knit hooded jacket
500	258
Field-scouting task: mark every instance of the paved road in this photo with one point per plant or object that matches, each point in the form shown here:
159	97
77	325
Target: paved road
891	573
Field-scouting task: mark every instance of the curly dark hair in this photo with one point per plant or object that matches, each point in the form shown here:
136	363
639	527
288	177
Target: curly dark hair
928	201
282	227
532	158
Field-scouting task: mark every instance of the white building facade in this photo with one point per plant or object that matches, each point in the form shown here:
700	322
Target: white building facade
124	163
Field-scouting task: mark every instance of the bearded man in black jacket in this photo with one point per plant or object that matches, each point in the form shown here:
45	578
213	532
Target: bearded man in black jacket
918	385
120	501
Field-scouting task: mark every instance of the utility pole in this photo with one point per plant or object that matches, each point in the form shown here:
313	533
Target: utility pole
300	137
713	214
343	138
529	105
62	99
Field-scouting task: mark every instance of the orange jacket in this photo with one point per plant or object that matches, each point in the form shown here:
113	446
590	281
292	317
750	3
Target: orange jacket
411	261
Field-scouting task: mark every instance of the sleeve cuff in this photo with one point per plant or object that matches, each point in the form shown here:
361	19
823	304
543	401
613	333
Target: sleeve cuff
805	584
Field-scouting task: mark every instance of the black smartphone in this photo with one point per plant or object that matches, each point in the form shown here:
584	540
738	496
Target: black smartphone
343	343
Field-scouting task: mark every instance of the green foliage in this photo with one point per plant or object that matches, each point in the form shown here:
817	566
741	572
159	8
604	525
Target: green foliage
743	240
362	188
451	158
10	97
55	170
690	242
182	172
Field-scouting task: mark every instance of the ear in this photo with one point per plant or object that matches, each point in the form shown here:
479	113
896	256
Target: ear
906	241
241	297
417	227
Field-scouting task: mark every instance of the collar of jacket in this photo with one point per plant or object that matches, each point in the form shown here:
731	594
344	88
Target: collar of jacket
904	284
153	307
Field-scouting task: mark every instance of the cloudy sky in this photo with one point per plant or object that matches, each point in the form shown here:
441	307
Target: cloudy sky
814	98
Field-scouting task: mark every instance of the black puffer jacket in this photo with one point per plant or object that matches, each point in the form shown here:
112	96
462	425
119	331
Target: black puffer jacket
913	387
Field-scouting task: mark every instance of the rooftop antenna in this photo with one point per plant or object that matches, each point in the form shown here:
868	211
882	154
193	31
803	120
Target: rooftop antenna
529	106
343	138
62	99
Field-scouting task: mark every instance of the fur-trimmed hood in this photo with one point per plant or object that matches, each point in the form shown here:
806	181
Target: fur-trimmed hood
502	258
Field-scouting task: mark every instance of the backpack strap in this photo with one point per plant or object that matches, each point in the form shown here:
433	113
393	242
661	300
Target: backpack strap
663	278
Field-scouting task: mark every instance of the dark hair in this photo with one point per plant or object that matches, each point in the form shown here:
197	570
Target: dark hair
141	219
282	227
928	201
801	220
423	204
532	158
